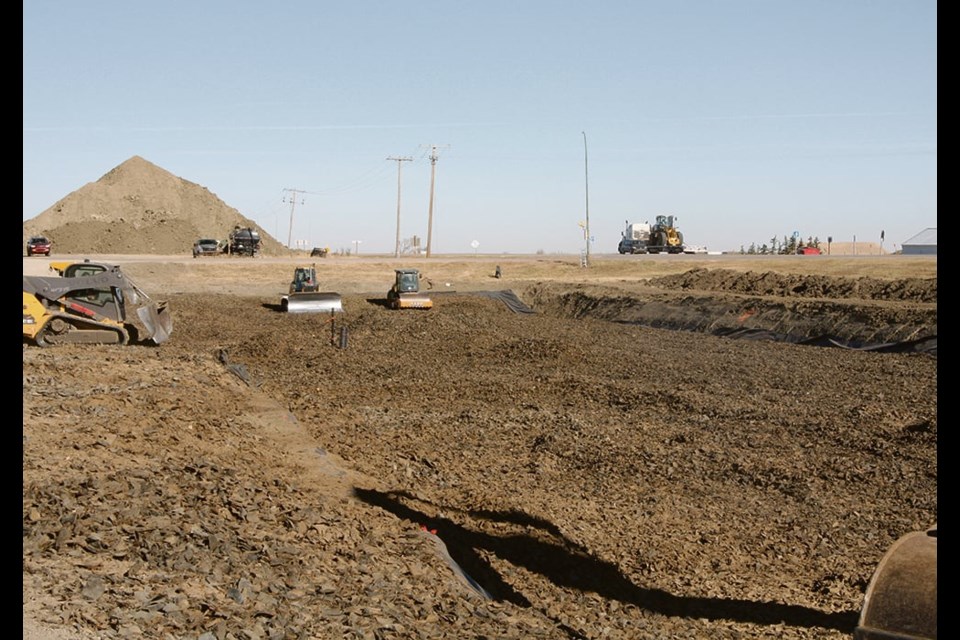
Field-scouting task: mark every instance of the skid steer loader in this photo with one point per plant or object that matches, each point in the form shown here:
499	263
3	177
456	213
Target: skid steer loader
88	303
305	296
405	292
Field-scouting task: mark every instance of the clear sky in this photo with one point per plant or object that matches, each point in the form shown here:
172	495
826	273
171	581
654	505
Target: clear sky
745	119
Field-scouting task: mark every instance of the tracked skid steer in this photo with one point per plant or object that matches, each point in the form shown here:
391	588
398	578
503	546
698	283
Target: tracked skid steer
405	292
305	296
91	303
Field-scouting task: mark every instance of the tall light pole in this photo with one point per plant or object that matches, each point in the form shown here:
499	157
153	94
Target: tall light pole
586	184
356	247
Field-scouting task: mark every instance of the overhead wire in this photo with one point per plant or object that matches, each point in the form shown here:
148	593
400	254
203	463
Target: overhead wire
365	180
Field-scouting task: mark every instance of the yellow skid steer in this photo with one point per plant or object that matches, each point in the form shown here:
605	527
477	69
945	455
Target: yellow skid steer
91	303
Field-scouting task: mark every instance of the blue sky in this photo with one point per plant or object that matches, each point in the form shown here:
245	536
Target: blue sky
745	119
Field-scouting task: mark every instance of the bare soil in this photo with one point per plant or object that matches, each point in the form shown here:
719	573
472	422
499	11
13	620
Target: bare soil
666	447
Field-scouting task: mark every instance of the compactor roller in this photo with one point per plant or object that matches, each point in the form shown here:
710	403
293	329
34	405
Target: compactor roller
405	292
304	295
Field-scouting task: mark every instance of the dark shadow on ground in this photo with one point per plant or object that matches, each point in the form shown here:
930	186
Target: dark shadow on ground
570	566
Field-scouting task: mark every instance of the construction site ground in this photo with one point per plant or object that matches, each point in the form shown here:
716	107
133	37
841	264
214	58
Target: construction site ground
664	447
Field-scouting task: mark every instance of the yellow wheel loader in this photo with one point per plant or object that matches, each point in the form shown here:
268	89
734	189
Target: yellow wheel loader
665	236
304	295
405	292
88	303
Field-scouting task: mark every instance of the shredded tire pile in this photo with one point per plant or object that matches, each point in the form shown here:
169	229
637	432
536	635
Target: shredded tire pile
605	467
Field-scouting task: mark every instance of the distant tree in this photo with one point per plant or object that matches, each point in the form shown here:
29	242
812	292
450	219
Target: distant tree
753	249
742	250
764	250
790	246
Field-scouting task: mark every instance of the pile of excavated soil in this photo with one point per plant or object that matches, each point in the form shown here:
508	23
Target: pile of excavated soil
139	208
471	472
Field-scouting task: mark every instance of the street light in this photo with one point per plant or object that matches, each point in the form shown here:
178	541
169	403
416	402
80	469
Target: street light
356	247
586	184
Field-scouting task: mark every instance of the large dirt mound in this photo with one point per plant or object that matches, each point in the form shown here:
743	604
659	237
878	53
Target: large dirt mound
139	208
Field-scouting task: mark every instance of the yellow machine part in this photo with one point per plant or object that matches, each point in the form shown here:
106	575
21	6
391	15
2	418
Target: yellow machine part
61	265
34	316
413	301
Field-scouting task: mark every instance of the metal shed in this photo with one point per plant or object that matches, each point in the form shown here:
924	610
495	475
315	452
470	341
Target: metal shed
924	243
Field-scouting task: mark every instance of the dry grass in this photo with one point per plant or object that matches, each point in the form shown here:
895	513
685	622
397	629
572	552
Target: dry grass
374	274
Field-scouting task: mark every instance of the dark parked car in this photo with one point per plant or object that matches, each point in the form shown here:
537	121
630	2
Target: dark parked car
38	245
206	247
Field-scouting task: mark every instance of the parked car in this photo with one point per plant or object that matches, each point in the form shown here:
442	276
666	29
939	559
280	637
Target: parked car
38	245
206	247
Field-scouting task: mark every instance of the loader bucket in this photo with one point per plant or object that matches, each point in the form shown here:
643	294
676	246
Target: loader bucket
901	599
312	303
158	322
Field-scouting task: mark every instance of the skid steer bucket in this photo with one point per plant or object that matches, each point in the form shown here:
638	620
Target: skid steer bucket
156	318
901	599
313	302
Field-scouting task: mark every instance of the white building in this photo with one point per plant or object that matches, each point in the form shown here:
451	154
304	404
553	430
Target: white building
924	243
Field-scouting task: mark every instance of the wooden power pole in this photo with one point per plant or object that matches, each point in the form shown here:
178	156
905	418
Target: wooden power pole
586	191
400	161
433	173
293	204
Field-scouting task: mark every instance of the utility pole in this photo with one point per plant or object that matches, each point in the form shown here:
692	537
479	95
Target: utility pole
586	184
293	204
433	173
400	161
